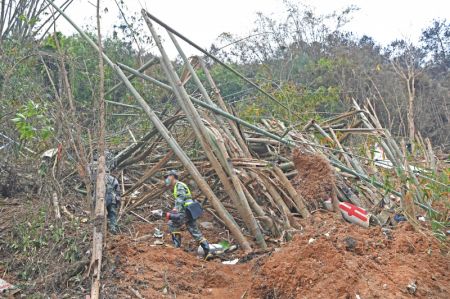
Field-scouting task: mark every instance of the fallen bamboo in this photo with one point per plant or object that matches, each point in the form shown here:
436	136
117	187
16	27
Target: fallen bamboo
201	132
150	172
145	66
297	197
225	216
192	116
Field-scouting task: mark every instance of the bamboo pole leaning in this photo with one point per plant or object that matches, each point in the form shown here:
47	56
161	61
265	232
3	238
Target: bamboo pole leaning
202	184
200	130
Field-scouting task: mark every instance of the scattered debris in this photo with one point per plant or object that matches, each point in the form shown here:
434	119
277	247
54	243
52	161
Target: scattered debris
412	288
354	214
158	233
232	262
350	244
6	287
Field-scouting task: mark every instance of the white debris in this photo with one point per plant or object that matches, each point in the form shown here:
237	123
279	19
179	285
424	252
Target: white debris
135	194
50	153
157	213
5	286
312	240
214	249
232	262
158	233
412	288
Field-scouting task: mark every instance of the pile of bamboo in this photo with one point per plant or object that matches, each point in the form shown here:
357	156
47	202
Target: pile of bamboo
241	170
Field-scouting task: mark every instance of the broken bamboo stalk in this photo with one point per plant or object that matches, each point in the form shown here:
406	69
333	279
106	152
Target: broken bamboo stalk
168	28
145	66
221	211
150	172
191	114
296	197
237	134
56	205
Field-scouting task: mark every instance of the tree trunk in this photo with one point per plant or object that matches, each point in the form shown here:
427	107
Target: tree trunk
99	219
411	96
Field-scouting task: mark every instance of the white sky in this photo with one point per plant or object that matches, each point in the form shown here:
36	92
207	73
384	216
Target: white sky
203	20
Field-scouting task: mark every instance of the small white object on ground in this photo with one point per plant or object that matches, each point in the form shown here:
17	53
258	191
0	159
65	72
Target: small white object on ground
158	213
214	249
4	286
232	262
312	240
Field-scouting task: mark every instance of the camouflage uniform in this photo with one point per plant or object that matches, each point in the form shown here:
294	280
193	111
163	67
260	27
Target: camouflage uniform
112	196
112	201
183	198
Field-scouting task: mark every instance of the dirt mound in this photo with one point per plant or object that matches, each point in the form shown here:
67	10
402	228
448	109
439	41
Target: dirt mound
157	271
315	178
334	259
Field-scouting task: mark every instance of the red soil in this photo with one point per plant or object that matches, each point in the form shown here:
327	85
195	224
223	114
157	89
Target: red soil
345	260
315	178
342	261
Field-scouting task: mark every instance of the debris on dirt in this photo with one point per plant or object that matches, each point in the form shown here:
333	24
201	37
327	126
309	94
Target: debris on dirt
375	267
206	225
354	214
6	287
350	244
158	271
232	262
412	288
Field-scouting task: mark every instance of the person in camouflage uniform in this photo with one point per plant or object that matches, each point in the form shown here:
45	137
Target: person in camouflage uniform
112	201
178	218
112	194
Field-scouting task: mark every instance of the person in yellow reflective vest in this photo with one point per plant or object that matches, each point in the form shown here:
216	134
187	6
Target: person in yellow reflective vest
178	216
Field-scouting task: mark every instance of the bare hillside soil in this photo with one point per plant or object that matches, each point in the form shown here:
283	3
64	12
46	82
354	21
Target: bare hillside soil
329	259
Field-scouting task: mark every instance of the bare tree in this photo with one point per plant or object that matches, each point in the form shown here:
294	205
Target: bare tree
406	60
24	19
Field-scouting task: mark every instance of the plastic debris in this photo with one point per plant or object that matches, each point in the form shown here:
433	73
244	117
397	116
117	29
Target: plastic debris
6	286
157	213
158	242
354	214
232	262
158	233
312	240
328	205
412	288
399	218
214	249
50	153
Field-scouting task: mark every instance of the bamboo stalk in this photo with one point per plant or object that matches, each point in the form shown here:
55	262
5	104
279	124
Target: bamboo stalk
296	197
221	211
233	126
150	172
193	117
149	16
145	66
